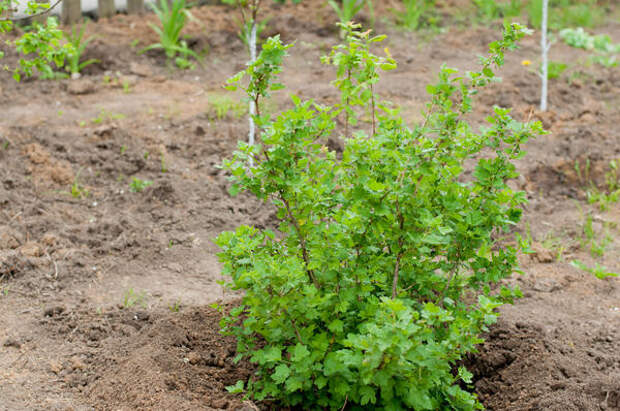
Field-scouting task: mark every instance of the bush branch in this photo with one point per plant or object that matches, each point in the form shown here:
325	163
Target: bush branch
41	13
302	241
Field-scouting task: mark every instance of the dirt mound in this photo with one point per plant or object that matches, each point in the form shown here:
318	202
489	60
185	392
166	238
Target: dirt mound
521	367
45	168
180	362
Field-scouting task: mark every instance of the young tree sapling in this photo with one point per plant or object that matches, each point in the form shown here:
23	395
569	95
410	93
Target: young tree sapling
544	45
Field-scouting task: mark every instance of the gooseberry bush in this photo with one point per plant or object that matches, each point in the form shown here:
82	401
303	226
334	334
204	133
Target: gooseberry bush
381	274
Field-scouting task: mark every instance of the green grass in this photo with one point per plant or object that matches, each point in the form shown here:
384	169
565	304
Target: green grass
598	271
132	298
566	13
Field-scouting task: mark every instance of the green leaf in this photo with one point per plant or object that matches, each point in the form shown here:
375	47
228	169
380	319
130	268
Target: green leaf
281	373
299	353
236	389
465	375
488	72
336	326
367	395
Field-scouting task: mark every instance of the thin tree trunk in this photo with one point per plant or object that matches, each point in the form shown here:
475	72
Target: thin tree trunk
252	46
106	8
545	50
135	6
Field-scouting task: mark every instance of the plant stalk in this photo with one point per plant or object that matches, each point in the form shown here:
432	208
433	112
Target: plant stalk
252	47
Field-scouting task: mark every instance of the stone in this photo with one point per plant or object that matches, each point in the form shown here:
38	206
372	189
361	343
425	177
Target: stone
9	238
55	366
77	364
541	254
31	249
176	267
141	70
194	358
49	240
36	153
127	81
80	87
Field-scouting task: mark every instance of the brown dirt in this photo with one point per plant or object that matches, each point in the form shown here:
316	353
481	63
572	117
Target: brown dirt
90	282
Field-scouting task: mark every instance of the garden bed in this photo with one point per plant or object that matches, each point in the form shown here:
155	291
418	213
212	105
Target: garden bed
106	292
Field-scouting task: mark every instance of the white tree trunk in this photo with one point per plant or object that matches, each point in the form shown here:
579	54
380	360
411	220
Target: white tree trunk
544	45
252	46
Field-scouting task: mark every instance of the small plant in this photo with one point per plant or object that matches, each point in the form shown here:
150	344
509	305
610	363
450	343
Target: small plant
78	43
611	194
126	87
579	38
221	105
598	271
77	190
608	61
348	9
137	185
555	244
566	13
103	116
590	239
123	149
416	14
172	17
494	9
605	51
132	298
175	307
379	278
555	69
164	169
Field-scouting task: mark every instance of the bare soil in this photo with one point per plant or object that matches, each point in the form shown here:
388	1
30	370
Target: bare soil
104	294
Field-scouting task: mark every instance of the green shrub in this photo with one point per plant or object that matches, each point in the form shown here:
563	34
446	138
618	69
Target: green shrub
379	277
